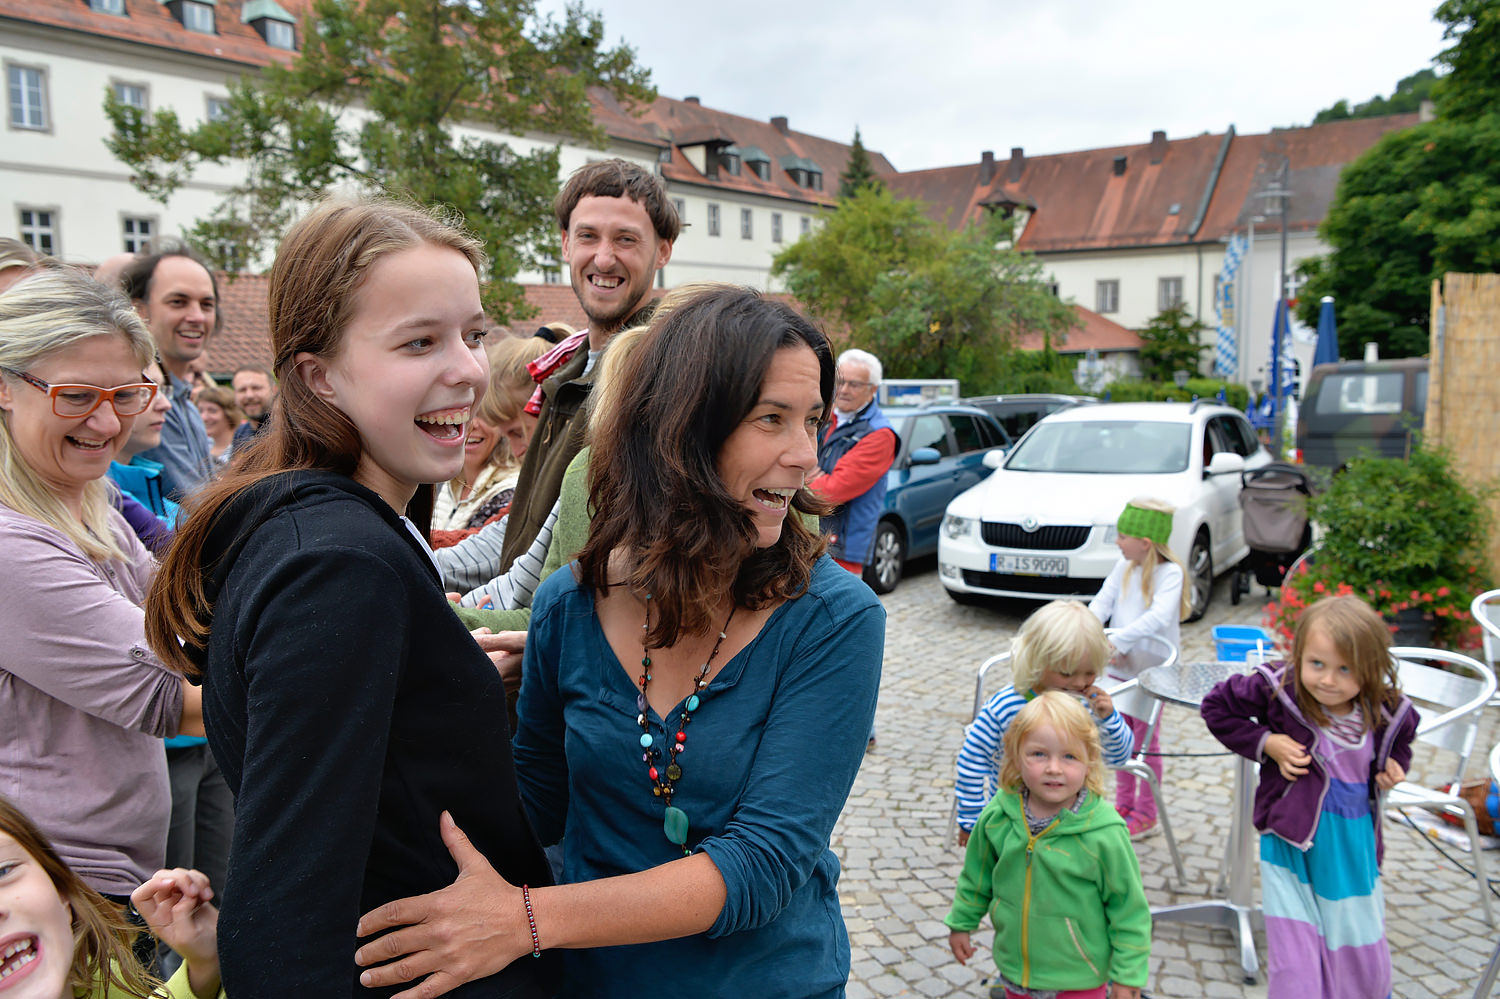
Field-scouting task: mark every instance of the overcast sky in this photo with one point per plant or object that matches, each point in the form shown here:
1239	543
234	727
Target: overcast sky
935	82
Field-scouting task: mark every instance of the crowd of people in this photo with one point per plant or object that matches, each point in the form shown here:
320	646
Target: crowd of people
325	715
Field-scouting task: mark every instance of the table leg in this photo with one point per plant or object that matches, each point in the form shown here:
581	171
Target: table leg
1238	912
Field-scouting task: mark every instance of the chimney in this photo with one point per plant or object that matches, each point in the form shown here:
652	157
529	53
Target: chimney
986	167
1119	166
1017	164
1158	146
691	100
779	123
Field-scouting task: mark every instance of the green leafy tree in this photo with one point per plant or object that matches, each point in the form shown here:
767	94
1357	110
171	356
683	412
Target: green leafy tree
372	101
1419	203
859	172
1172	341
930	302
1408	96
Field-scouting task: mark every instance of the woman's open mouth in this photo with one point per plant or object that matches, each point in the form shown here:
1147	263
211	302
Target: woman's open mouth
445	425
17	959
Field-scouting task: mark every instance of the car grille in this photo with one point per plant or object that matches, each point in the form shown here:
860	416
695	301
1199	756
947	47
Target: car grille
1067	585
1048	539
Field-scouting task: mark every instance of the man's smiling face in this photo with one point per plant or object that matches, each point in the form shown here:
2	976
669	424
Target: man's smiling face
613	255
180	311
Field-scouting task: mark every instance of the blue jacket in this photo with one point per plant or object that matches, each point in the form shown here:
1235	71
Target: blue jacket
851	528
142	479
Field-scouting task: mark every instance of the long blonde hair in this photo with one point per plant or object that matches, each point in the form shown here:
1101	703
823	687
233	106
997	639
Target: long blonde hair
51	311
509	387
1157	554
1069	719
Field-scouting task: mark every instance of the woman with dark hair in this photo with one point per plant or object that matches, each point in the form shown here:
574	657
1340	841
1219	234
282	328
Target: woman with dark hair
345	703
696	694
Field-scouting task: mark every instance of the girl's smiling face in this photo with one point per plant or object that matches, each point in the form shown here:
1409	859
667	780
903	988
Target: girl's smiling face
36	929
408	369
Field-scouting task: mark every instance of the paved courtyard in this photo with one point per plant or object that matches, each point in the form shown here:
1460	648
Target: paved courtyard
899	867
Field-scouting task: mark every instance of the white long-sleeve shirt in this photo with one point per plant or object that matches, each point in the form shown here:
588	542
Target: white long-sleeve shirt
1121	604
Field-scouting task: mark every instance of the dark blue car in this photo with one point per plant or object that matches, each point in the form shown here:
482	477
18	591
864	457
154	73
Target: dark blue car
941	453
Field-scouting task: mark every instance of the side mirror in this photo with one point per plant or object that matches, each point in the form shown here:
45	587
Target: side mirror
925	456
1224	463
994	459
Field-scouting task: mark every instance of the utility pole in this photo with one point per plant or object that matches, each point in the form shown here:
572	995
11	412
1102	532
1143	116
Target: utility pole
1280	193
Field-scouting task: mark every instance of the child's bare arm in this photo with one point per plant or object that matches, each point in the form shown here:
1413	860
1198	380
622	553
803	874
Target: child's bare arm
175	904
958	942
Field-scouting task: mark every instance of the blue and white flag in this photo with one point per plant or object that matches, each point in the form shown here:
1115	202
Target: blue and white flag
1226	349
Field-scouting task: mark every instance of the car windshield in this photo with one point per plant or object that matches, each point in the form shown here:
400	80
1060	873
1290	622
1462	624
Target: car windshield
1104	447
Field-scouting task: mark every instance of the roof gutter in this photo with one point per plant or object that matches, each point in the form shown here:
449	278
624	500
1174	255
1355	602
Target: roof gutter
1213	182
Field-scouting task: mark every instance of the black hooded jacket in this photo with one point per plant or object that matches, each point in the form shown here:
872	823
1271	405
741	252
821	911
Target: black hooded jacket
348	707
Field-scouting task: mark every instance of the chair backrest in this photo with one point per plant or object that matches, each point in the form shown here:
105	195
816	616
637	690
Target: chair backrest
1128	697
1486	611
998	659
1452	699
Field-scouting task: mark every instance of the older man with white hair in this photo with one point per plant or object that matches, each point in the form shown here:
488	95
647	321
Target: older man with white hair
853	458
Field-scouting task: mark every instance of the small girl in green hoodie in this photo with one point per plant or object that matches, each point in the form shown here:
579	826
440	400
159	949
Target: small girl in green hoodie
1052	863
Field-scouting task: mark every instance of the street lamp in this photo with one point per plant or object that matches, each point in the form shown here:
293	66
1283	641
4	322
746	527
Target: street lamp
1278	194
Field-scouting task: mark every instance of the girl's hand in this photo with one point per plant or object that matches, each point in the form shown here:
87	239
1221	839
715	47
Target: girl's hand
1289	754
1099	701
963	837
469	930
1392	775
958	942
1118	991
175	905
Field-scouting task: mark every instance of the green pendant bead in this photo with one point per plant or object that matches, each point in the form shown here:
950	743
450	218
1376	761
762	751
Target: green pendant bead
675	824
674	772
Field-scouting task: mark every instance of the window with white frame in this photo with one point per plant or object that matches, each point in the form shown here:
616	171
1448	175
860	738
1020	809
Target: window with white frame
137	232
218	109
552	275
713	218
747	224
197	17
28	96
131	95
806	224
680	206
1107	296
280	35
38	228
1168	293
108	6
775	227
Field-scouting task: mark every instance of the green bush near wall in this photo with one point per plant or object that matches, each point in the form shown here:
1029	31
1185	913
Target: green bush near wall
1135	390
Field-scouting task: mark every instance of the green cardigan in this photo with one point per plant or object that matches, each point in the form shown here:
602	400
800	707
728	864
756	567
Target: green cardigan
568	536
1068	906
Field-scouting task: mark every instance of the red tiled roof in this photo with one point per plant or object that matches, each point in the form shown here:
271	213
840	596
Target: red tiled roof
1093	332
244	335
148	22
1081	203
1318	154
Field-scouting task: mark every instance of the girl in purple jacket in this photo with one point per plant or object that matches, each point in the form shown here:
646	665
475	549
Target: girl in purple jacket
1331	730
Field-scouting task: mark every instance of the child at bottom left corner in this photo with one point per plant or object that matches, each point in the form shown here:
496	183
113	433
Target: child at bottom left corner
1051	862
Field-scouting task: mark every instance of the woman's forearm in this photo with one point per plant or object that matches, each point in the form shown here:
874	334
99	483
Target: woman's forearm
676	899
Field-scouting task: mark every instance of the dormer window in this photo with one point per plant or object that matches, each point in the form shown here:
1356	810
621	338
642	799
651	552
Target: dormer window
758	162
271	22
803	172
116	7
729	160
195	15
815	179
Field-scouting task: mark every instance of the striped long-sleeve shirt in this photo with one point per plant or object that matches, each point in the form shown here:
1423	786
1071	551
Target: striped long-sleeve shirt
469	567
978	776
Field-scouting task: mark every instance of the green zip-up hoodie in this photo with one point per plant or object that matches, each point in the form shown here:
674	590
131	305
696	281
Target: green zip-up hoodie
1067	904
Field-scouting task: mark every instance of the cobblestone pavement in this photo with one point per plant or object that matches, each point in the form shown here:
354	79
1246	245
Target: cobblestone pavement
899	868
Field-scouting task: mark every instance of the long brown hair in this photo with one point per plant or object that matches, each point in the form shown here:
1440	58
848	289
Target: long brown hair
102	958
1361	637
653	477
320	266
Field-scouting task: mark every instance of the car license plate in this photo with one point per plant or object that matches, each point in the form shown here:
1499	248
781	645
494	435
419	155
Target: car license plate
1029	565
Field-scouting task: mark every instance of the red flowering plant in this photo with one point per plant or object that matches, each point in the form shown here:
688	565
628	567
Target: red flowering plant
1408	536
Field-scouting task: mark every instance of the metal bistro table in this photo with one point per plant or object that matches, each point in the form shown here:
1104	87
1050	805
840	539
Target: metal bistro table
1188	684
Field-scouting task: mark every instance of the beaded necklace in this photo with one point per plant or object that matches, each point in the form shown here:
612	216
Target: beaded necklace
664	780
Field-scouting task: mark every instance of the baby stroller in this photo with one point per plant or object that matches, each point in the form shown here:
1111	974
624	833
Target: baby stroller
1274	500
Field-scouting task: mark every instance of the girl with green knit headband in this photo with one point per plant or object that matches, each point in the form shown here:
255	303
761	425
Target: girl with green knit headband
1153	608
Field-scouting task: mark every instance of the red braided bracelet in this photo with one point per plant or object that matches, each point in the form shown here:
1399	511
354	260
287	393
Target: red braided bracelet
536	942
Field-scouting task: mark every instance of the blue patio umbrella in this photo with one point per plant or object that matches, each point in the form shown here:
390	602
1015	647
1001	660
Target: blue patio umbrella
1327	351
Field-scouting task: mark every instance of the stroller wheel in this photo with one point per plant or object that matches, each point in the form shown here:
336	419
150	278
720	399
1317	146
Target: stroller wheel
1239	584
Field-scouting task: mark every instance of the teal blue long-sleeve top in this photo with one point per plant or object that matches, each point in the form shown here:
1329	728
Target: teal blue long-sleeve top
771	755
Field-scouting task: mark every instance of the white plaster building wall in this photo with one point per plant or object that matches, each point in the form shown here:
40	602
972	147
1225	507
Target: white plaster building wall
699	256
68	169
1138	272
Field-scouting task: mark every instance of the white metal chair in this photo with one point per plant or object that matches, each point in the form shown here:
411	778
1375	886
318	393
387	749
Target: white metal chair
1491	970
1486	611
1453	701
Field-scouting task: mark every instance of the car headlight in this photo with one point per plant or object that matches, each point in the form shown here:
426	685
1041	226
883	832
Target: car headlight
1111	532
956	527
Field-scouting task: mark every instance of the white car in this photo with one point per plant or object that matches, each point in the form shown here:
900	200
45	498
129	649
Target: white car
1043	524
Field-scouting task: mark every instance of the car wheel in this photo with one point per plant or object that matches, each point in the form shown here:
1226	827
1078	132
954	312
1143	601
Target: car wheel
1200	576
884	570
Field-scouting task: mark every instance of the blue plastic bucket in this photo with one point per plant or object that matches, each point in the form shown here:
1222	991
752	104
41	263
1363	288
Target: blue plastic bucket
1233	643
